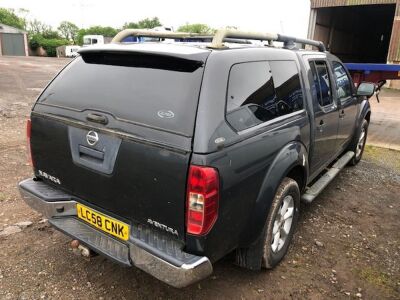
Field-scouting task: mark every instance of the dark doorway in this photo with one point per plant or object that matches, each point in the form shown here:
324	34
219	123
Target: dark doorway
356	33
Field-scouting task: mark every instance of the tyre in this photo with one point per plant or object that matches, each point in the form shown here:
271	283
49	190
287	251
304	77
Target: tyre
359	144
278	231
281	223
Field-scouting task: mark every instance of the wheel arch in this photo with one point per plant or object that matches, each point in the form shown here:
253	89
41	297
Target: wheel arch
299	174
292	162
365	114
368	116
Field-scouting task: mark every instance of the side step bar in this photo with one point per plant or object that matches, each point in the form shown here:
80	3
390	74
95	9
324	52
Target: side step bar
313	191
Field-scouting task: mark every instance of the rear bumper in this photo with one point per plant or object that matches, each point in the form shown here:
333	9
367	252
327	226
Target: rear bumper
152	251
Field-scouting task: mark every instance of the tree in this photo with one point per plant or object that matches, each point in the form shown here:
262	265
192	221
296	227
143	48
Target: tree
37	27
196	28
142	24
43	35
48	44
68	30
8	17
104	31
51	34
231	27
149	23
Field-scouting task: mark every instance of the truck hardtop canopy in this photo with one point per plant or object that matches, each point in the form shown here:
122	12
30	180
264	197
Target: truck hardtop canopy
190	53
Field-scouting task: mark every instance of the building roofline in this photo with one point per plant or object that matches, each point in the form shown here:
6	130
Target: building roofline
337	3
4	27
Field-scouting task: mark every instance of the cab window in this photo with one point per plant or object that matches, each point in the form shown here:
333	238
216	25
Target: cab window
343	82
262	91
321	84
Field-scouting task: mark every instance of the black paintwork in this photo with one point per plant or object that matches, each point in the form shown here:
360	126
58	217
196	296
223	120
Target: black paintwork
124	192
148	177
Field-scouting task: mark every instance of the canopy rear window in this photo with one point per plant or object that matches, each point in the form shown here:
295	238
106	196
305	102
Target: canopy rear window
153	90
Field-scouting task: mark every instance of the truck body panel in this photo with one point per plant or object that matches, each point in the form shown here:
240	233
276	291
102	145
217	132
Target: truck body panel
143	137
122	127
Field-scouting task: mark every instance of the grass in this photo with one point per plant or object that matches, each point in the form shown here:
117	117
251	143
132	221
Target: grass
376	278
3	197
387	157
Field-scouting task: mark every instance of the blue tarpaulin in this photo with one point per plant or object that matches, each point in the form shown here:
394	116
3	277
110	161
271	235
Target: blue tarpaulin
373	67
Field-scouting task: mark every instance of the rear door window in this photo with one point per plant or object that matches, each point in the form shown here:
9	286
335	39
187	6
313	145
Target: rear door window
150	90
262	91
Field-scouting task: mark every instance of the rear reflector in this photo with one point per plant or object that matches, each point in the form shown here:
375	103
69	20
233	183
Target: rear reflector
28	139
202	199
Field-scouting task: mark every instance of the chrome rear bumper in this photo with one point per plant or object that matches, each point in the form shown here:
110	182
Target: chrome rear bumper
149	250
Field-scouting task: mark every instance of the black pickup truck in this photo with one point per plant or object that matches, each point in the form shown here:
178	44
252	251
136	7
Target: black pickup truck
167	156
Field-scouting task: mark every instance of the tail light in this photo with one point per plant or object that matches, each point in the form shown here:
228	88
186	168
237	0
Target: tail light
202	199
28	138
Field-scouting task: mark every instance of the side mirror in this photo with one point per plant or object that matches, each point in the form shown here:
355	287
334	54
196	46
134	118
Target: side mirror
366	89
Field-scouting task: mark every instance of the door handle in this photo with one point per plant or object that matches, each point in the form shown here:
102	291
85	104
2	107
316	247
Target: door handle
321	126
342	114
97	118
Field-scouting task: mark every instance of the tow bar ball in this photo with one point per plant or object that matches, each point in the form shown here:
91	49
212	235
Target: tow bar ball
81	249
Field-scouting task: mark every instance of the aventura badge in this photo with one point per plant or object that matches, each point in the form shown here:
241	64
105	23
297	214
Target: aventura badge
163	227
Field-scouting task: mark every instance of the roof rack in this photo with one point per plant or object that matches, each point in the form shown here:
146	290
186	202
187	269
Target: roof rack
288	41
221	36
157	34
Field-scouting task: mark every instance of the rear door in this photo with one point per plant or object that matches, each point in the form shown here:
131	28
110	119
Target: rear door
325	113
347	101
116	130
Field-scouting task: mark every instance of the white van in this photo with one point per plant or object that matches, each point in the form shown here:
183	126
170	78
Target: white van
67	51
89	40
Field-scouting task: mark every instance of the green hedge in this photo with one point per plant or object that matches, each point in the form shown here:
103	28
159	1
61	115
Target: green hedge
50	45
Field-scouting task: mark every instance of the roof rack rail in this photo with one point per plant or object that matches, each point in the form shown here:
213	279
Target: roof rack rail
221	36
157	34
289	42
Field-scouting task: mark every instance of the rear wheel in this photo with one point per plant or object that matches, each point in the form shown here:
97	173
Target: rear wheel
280	224
359	144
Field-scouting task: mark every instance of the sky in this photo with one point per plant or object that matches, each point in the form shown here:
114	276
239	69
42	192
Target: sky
283	16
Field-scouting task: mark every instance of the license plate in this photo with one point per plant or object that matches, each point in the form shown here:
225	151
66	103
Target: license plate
103	222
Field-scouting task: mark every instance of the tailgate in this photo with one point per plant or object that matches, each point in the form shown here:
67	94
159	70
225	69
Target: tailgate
123	148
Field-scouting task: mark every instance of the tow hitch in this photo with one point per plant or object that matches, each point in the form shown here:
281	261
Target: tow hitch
82	250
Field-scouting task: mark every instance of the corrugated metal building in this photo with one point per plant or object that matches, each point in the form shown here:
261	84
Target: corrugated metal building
358	30
13	41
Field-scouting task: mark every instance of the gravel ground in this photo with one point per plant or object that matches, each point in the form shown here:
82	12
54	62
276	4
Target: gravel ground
347	243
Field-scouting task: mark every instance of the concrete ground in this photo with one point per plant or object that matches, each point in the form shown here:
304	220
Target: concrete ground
384	129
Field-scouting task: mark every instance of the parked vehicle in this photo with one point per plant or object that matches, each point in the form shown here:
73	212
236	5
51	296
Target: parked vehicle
142	39
67	51
95	39
163	28
170	156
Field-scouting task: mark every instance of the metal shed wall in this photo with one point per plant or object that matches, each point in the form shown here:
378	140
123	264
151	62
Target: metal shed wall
394	47
13	41
12	44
